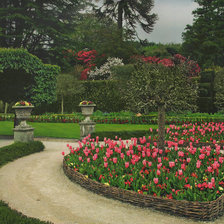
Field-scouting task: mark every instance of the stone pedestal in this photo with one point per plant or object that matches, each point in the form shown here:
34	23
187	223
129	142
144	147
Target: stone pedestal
23	134
86	128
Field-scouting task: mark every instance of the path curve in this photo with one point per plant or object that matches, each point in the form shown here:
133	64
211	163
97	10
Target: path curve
36	186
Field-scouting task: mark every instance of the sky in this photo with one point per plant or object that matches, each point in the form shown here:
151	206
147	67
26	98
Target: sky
173	15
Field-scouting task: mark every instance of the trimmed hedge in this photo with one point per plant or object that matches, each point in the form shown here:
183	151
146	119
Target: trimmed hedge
21	61
19	149
104	93
122	134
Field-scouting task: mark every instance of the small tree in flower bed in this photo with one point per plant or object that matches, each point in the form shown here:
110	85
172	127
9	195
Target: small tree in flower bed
182	173
165	84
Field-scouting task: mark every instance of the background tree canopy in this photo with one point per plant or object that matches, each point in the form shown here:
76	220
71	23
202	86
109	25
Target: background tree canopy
203	41
131	12
39	26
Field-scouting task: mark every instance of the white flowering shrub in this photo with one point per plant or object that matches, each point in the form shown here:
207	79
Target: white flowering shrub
104	72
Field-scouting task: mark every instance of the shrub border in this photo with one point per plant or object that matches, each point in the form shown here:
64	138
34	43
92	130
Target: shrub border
196	210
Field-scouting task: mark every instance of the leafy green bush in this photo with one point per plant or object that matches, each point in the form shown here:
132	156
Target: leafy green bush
19	149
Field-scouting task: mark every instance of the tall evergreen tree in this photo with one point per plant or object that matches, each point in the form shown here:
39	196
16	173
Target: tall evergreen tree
132	12
39	26
204	40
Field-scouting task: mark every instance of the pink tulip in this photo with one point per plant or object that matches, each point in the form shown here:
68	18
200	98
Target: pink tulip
159	159
198	164
115	160
210	185
202	156
122	155
171	164
144	162
188	160
126	164
156	180
158	172
210	169
105	165
80	158
180	172
63	153
104	159
181	154
149	164
88	160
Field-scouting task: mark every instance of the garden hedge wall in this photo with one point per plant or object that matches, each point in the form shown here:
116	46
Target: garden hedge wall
104	93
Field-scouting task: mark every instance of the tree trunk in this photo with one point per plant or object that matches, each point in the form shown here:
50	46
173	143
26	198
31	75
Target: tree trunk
120	17
161	126
62	104
6	108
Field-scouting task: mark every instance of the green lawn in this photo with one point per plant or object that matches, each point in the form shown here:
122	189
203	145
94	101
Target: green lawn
69	130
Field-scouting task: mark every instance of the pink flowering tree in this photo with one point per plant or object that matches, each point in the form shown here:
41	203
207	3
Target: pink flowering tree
166	84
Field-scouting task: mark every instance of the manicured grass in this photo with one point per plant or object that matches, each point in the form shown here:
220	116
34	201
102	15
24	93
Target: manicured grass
10	153
69	130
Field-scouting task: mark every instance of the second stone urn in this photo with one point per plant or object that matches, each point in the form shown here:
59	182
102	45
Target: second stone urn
87	126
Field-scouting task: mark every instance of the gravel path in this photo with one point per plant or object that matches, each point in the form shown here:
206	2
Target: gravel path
36	186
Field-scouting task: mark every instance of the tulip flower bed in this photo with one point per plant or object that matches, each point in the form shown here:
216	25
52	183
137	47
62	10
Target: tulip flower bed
183	171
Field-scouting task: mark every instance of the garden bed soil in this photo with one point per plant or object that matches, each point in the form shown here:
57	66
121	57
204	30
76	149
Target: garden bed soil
195	210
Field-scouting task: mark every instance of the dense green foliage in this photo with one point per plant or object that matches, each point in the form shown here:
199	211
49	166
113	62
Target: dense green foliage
219	90
203	41
26	77
129	12
160	50
40	26
19	149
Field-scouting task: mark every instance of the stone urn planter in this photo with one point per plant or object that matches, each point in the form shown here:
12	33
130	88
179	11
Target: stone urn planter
23	132
87	126
23	113
87	111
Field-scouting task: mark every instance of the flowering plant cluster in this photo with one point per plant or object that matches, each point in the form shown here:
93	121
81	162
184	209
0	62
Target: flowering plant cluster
23	103
105	69
182	173
85	102
192	66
